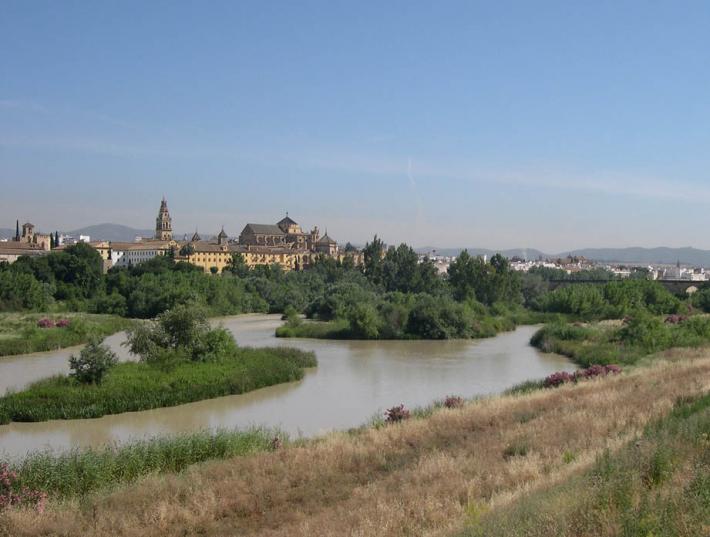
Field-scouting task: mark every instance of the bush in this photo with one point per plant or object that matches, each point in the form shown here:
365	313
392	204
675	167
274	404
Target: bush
453	401
562	377
181	333
12	493
396	414
93	363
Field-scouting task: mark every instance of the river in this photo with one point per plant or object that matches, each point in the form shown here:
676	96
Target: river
354	381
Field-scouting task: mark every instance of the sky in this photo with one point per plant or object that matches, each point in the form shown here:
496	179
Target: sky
549	125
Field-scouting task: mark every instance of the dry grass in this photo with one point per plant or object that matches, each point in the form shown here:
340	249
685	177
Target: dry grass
423	477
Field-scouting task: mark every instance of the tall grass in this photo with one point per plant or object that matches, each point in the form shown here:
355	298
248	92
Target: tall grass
129	387
656	485
80	472
19	334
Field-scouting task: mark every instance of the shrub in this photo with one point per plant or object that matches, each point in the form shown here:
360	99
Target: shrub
557	379
13	494
596	370
62	323
453	401
93	363
46	323
396	414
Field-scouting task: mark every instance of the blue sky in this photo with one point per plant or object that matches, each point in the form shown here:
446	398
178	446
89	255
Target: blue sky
550	125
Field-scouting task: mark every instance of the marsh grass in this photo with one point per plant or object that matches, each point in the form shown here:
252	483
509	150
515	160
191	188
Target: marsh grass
134	386
338	329
19	333
79	472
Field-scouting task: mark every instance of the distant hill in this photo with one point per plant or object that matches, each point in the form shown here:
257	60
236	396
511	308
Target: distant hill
524	253
648	256
111	232
642	256
103	232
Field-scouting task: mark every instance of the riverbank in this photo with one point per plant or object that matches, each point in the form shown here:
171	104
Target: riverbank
25	333
454	469
130	387
623	342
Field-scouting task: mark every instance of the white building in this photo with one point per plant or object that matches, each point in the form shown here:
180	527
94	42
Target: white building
126	254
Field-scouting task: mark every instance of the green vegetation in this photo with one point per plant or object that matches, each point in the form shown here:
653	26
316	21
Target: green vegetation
22	333
94	360
623	343
80	472
182	360
612	300
393	295
130	387
658	485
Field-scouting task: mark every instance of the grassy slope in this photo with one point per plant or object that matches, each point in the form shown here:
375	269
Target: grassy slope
429	476
139	386
19	333
657	485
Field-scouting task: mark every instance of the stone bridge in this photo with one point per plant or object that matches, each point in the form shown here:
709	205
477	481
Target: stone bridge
677	287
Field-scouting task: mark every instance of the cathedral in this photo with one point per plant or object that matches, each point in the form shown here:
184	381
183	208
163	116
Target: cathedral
284	244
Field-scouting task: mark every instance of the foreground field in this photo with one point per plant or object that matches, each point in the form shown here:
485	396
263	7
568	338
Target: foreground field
442	475
20	333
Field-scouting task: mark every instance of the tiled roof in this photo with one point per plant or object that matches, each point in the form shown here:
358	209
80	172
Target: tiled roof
263	229
143	245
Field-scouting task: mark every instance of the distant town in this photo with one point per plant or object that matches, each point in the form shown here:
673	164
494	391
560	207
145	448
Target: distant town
286	244
283	243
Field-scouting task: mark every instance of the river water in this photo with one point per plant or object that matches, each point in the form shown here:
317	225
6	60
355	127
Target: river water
354	381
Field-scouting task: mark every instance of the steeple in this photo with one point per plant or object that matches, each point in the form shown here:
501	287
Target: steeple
163	223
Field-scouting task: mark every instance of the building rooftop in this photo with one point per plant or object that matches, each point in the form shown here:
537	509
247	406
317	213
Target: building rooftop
264	229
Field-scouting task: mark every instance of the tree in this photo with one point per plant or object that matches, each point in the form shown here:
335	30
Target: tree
187	250
474	279
17	230
238	266
56	238
373	255
214	270
93	363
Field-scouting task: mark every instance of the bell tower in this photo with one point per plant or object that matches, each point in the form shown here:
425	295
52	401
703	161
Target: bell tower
164	224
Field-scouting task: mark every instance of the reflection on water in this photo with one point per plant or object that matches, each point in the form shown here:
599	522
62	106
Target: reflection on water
353	381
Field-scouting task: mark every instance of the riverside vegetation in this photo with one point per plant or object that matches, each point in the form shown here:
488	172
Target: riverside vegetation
22	333
182	360
391	296
625	454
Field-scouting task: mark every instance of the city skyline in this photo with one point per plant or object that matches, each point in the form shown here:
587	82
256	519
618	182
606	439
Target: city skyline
552	126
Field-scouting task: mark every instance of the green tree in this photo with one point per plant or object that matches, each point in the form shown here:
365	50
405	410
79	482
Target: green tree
93	362
238	266
373	258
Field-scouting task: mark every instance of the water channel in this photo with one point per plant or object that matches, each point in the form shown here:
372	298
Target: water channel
354	380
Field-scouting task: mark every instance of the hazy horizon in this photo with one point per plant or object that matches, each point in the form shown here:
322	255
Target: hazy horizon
551	126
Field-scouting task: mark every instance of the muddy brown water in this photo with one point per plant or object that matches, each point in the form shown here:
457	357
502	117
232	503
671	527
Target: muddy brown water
354	381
